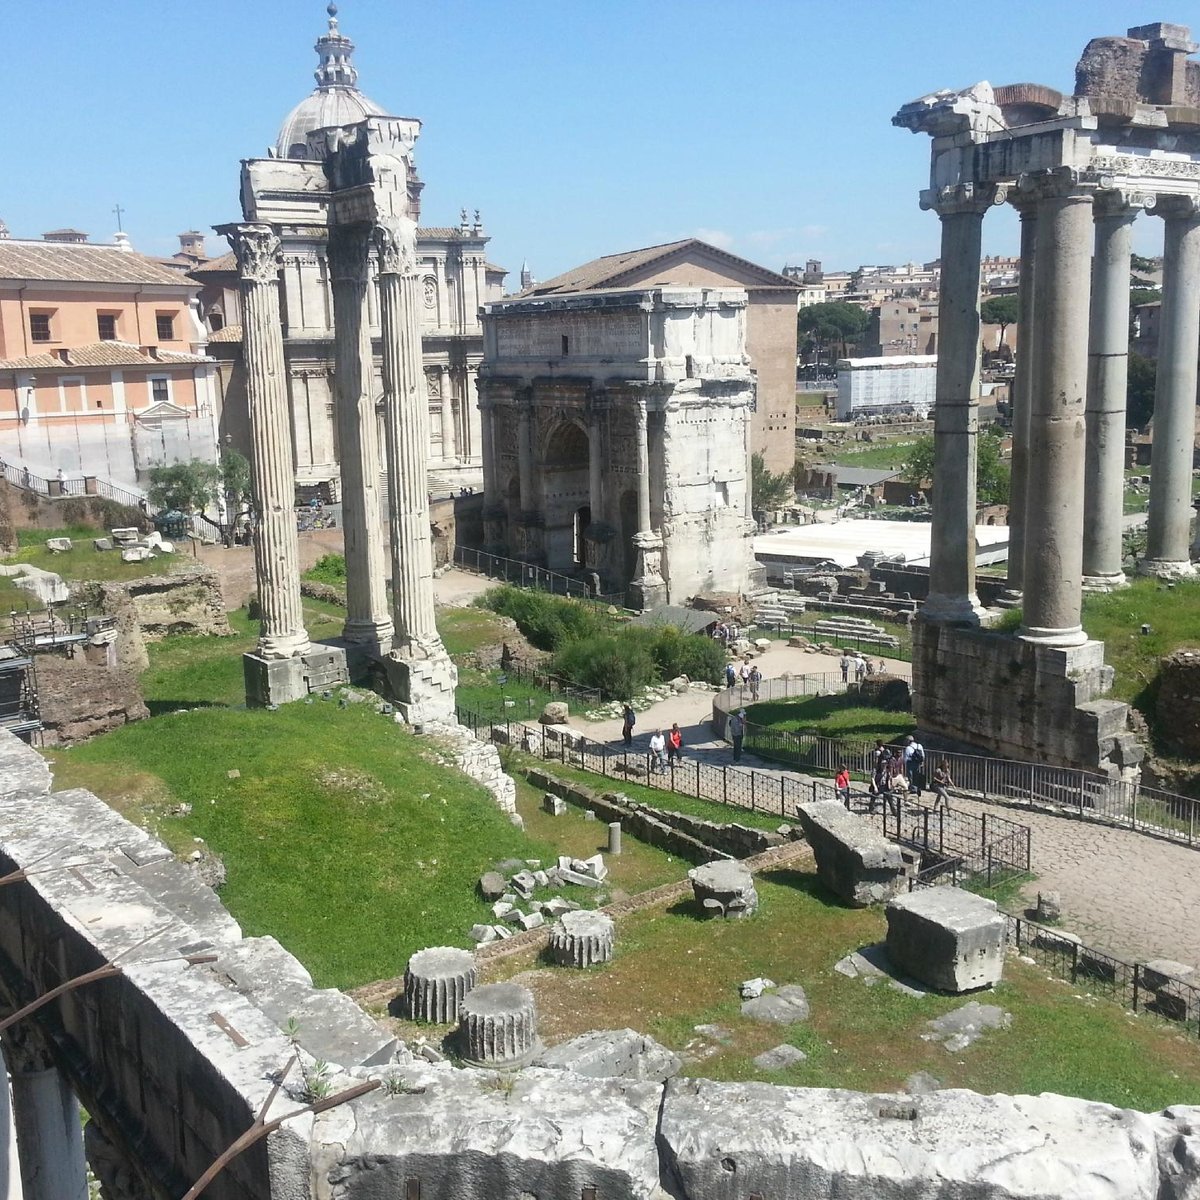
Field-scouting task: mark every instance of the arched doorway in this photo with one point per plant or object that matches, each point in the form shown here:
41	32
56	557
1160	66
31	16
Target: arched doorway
566	500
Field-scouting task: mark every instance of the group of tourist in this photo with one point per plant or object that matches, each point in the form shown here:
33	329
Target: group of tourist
899	771
664	748
853	660
726	632
747	674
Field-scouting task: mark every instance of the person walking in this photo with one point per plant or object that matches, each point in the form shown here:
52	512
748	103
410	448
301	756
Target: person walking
674	745
628	720
914	765
755	681
844	663
941	786
841	784
730	675
860	668
744	676
737	731
658	745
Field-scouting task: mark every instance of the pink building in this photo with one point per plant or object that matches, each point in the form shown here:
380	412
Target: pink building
102	364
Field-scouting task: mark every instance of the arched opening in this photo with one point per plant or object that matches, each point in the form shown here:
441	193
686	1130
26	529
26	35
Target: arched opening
565	495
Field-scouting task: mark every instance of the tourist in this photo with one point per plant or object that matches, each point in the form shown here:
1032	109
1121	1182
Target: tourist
844	663
720	633
941	783
914	765
628	720
841	784
860	668
895	765
730	675
755	681
744	675
737	731
734	632
674	745
897	785
658	745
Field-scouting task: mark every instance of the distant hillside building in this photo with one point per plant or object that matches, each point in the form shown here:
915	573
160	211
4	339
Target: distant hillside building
102	366
770	321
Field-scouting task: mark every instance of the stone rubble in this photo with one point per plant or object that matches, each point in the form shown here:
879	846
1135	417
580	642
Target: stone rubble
963	1027
780	1058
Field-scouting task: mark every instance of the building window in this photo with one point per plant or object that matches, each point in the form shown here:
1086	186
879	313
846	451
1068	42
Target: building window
39	327
159	391
566	345
166	327
216	320
106	326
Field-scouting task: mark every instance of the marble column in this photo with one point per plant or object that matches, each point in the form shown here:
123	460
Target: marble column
952	595
421	676
10	1171
595	469
1167	551
648	588
1108	372
1054	492
643	467
449	434
1021	385
367	620
276	552
48	1126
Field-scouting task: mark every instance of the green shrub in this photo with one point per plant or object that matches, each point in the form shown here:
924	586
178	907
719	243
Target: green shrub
620	664
679	653
549	622
330	569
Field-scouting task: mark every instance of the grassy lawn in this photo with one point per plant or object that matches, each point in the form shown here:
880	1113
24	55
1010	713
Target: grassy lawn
883	455
831	716
466	630
1061	1039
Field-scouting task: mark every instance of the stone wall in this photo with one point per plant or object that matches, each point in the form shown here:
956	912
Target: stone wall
1178	704
78	700
173	1057
1008	697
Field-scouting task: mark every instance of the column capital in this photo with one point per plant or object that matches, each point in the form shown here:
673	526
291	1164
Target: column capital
1058	183
257	249
1122	204
961	198
1178	208
396	245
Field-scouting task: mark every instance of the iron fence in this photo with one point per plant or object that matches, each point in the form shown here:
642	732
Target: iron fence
525	574
82	485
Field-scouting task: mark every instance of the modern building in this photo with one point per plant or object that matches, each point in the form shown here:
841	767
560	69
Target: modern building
458	279
616	425
770	321
103	372
887	386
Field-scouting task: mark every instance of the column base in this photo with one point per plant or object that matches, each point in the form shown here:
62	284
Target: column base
1166	568
953	610
1105	583
1010	598
1052	637
420	681
647	593
376	636
290	645
282	680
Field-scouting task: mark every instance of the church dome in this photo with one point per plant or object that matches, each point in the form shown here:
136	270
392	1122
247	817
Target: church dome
336	100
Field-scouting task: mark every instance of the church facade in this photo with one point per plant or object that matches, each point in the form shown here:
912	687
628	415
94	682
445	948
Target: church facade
456	280
615	432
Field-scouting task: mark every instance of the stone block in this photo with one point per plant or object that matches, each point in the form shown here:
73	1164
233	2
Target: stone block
582	938
498	1026
556	712
612	1054
1162	972
436	982
787	1006
854	860
58	545
947	938
724	888
780	1058
492	885
554	805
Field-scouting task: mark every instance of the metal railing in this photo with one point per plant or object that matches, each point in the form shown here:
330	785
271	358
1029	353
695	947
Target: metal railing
1087	795
74	487
524	574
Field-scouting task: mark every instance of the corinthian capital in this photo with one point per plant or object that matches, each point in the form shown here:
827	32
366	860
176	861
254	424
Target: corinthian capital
257	250
396	245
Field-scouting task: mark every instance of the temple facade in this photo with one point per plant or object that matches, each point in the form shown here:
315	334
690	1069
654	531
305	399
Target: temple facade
456	279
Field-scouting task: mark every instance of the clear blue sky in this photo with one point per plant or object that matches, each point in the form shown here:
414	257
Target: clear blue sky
578	128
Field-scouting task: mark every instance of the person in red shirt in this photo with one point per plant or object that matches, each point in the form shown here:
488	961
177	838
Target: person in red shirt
674	745
841	784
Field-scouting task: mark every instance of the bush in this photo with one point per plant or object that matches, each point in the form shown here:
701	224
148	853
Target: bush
679	653
549	622
619	664
330	569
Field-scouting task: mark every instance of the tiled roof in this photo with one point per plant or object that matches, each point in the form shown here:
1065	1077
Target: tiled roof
62	261
439	231
226	262
487	266
102	354
231	333
612	270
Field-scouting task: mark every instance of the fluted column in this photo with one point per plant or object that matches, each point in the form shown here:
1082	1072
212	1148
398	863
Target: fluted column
1108	373
276	551
1022	384
1167	551
952	596
449	435
595	468
1054	494
421	675
643	467
367	620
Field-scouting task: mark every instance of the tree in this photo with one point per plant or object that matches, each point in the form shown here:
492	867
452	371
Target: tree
918	466
833	321
235	476
999	310
767	490
186	487
1145	295
992	474
1147	265
1139	390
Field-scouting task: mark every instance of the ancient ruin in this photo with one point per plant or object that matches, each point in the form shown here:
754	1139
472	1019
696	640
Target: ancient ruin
1079	169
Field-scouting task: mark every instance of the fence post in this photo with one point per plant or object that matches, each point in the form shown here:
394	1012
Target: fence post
752	774
724	785
782	797
1135	796
1018	920
983	841
1137	970
925	828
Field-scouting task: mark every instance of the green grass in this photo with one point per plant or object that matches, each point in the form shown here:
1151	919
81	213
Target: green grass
467	630
1062	1038
482	693
831	716
83	561
341	837
884	456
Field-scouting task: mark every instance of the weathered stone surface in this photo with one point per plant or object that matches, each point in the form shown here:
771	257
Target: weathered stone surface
854	860
801	1142
1161	972
492	885
436	983
556	712
724	888
780	1058
498	1026
1049	906
79	700
1178	704
612	1054
787	1006
947	938
582	938
963	1027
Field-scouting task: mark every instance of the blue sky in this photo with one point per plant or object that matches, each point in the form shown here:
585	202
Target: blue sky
578	128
